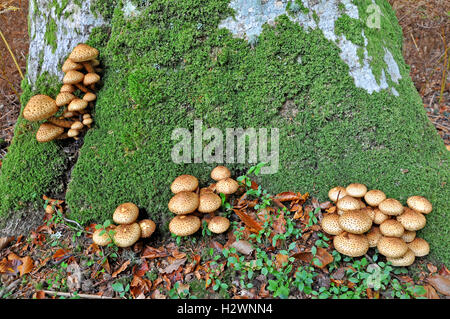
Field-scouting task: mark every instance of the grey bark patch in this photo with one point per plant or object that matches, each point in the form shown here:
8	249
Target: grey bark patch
22	222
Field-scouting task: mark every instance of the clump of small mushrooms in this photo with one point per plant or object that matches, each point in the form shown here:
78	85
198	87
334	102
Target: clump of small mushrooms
128	229
190	202
367	218
77	96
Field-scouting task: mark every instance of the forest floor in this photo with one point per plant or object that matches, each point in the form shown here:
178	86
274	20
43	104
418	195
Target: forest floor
285	256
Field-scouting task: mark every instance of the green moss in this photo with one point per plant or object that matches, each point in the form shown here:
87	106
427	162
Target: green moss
59	6
105	8
351	28
296	6
50	34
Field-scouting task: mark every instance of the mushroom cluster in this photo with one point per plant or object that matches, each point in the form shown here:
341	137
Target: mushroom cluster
128	229
190	201
365	219
76	96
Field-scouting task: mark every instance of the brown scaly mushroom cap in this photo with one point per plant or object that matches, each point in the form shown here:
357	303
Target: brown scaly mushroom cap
64	98
369	211
227	186
148	227
127	235
209	202
379	217
70	65
374	197
330	224
412	220
126	213
356	190
392	228
73	77
83	52
220	172
392	247
408	236
69	88
39	107
88	121
77	125
351	245
77	105
48	132
403	261
373	236
91	78
419	246
419	204
391	207
60	122
355	222
337	193
89	97
184	203
184	225
218	224
104	239
347	203
73	133
184	183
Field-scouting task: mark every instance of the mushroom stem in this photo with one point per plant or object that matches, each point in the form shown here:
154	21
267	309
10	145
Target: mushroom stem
82	88
88	66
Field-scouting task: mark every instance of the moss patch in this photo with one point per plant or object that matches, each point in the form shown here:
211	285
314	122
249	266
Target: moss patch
50	34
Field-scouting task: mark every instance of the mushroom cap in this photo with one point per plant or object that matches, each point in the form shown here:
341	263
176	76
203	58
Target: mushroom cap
184	203
184	225
205	190
184	183
419	204
392	228
91	78
373	236
48	132
330	224
412	220
64	98
369	211
379	216
227	186
391	206
356	190
89	97
337	193
77	125
77	105
103	239
72	132
83	52
408	236
392	247
220	172
406	260
127	235
69	88
73	77
88	121
148	227
419	246
218	224
374	197
70	65
60	122
355	222
347	203
209	202
361	203
39	107
126	213
352	245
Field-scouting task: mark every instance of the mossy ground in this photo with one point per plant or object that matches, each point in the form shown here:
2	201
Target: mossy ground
171	65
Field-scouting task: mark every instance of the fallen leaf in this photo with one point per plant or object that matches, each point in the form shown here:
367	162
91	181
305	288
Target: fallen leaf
140	269
281	260
59	254
251	223
173	266
27	265
431	268
440	283
243	246
151	252
320	260
39	295
121	269
430	292
4	241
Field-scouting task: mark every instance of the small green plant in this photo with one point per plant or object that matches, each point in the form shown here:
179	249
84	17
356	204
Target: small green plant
120	288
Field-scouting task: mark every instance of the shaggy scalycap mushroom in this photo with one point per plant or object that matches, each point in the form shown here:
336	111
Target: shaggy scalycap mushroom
70	65
408	236
148	227
64	98
184	203
83	52
218	224
209	202
184	225
39	107
220	172
419	246
48	132
412	220
419	204
126	213
351	245
60	122
374	197
127	235
392	247
184	183
355	222
369	211
77	105
379	217
392	228
91	78
330	224
227	186
347	203
373	236
101	236
356	190
73	77
391	206
89	97
404	261
337	193
68	88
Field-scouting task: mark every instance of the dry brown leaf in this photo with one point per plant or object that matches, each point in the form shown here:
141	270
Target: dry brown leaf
440	283
121	269
430	292
27	265
173	266
251	223
140	269
322	255
151	252
243	246
431	268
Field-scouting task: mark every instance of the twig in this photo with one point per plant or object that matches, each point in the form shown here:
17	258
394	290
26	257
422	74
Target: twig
12	54
69	294
444	73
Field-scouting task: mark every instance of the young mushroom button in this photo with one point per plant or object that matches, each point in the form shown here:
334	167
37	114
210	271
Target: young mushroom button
39	107
126	213
184	225
209	203
184	203
220	172
218	224
48	132
227	186
148	227
127	235
186	183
